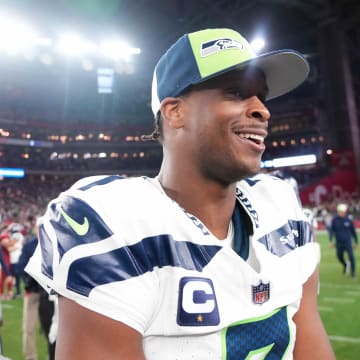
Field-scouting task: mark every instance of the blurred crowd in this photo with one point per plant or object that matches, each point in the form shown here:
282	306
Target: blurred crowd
21	203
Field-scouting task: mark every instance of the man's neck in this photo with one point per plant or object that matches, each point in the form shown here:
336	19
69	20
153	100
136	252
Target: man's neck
211	202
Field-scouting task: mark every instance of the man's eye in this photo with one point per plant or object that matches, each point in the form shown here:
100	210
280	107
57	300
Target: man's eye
242	95
236	93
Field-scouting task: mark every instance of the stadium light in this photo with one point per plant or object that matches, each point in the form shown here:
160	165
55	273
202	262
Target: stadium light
15	35
12	172
116	50
257	44
19	38
74	45
43	41
289	161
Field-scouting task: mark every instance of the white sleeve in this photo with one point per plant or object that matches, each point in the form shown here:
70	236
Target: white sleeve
81	258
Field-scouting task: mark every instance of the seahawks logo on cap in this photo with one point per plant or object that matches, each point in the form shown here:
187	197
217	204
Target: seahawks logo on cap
214	46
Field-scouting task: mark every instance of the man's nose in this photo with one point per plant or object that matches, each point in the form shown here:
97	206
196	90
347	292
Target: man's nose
257	109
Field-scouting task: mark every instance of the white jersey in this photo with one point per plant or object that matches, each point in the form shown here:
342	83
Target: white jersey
124	249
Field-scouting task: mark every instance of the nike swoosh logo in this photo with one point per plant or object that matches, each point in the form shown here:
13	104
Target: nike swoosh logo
80	229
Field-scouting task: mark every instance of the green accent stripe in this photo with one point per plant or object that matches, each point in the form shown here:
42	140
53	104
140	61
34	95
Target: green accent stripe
263	351
219	59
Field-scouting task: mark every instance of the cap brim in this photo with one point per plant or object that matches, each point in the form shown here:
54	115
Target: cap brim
284	70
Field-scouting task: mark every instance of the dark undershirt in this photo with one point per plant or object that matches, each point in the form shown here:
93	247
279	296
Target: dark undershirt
242	229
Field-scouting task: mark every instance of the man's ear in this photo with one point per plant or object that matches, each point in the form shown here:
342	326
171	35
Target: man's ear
172	110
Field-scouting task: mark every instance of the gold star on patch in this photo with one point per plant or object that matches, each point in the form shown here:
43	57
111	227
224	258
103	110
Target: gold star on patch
199	319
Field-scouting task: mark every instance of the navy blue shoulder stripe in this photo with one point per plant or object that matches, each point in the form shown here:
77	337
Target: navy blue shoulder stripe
76	223
135	260
288	237
88	228
103	181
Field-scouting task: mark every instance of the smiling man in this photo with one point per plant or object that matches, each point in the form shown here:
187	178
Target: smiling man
191	264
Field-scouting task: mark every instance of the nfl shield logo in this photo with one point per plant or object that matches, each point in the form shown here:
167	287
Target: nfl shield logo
261	293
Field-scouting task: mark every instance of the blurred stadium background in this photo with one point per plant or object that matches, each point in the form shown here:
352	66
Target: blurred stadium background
76	77
75	80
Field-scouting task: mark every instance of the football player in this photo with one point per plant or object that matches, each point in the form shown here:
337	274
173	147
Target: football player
209	259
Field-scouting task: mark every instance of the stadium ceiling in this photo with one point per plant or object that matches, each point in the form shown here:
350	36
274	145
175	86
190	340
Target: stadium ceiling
153	25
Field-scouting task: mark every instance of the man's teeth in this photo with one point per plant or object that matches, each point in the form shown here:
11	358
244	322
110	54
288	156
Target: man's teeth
257	138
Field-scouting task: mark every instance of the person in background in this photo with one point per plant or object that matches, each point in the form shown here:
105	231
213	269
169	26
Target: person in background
309	213
5	271
343	230
13	240
37	306
208	260
3	264
16	241
30	226
6	281
326	216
